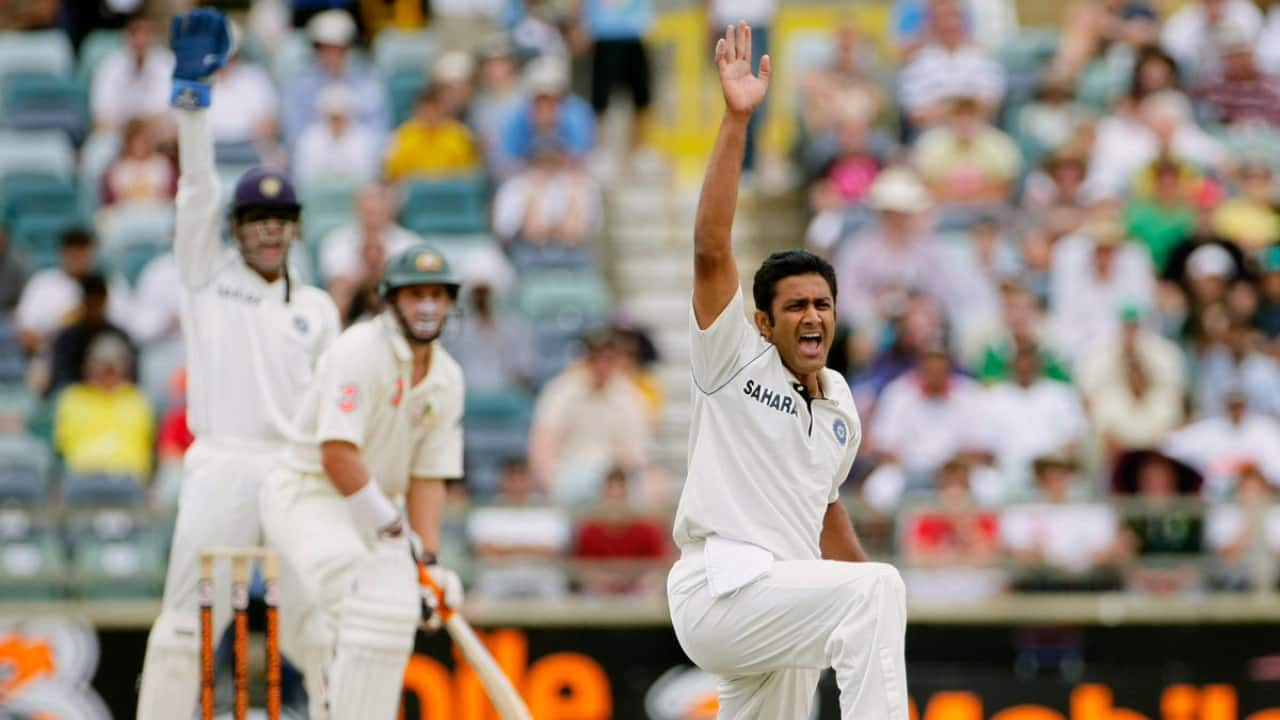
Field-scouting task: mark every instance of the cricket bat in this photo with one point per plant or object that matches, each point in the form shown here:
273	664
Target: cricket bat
496	685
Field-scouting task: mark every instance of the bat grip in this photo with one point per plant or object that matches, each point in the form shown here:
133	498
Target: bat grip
426	581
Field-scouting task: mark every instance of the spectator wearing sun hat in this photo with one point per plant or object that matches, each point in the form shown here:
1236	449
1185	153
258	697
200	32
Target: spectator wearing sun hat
551	108
333	34
334	147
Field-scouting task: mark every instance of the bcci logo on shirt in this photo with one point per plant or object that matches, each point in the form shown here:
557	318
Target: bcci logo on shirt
841	431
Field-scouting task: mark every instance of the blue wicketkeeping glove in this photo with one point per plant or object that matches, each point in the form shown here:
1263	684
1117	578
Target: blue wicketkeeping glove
201	42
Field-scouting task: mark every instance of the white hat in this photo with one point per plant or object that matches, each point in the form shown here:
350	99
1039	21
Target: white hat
898	189
453	66
1210	261
547	75
108	350
332	27
335	99
1230	37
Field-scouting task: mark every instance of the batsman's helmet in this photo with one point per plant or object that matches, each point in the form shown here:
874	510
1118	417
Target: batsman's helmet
418	264
262	187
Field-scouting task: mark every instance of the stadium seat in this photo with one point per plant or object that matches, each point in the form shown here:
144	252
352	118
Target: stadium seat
25	466
39	102
563	299
44	152
326	206
403	89
13	359
289	59
1100	83
101	490
96	154
127	568
23	194
496	426
1031	49
133	236
45	51
95	47
448	206
529	258
32	562
36	237
396	50
237	153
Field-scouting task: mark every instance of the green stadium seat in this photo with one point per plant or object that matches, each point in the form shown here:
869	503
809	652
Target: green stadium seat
133	236
396	50
448	206
496	425
36	237
403	89
95	48
326	206
1100	83
96	154
32	562
13	368
1030	49
564	298
37	102
43	152
98	490
131	567
44	51
25	465
23	194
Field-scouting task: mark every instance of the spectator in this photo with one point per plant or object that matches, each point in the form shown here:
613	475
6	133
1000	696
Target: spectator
950	66
993	22
104	424
1244	534
588	419
536	29
1053	119
494	348
498	97
638	357
1268	315
759	17
1054	194
153	317
1135	413
1243	94
52	296
965	160
553	201
133	81
1251	220
431	143
953	545
1238	363
1127	142
353	254
1031	416
896	255
462	25
1106	364
846	180
72	343
1095	275
519	539
1023	326
986	259
619	58
334	148
925	417
617	551
13	277
1217	447
1103	29
245	107
1058	543
847	84
1160	522
1268	45
1190	35
332	34
913	329
1164	220
141	174
550	109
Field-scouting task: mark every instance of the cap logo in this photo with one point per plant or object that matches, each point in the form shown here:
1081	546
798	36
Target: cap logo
427	261
270	186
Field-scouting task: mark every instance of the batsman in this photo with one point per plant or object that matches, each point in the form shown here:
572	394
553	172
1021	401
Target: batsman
772	584
382	424
252	336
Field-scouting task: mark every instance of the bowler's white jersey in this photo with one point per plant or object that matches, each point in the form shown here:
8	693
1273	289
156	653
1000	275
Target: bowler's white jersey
361	395
764	463
249	354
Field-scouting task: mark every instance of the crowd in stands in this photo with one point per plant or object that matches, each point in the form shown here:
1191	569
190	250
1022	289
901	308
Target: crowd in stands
1056	253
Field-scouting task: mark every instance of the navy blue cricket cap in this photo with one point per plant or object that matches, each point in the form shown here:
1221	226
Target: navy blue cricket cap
263	187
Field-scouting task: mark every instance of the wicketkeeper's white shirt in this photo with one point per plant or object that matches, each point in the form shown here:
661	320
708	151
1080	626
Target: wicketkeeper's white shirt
362	395
764	462
249	353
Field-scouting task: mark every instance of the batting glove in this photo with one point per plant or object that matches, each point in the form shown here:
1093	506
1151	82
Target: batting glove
201	43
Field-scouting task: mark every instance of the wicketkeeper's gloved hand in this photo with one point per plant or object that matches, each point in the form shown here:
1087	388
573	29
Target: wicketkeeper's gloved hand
201	43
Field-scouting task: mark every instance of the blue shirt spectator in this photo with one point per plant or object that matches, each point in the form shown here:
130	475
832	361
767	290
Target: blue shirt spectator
552	110
618	19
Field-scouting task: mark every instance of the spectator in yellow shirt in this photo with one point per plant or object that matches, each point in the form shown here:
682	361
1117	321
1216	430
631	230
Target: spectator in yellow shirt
431	143
104	424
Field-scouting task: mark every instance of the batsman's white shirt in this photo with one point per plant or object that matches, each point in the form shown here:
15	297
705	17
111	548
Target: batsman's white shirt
764	463
362	395
249	353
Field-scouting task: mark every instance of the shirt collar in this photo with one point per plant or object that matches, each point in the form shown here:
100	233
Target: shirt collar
404	354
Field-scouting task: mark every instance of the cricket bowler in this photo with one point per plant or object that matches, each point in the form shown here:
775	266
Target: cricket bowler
252	336
772	585
382	423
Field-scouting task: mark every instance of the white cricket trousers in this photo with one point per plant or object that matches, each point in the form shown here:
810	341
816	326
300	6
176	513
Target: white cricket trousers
217	505
769	640
360	600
